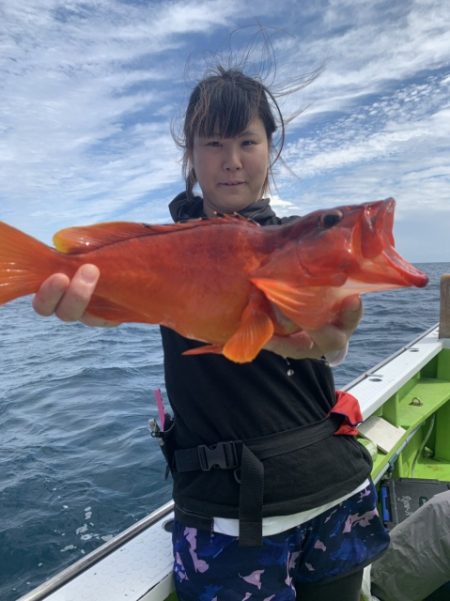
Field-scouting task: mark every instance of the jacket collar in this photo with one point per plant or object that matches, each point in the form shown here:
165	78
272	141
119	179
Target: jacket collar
181	209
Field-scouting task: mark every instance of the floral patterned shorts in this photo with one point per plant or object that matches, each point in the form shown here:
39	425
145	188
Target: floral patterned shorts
210	566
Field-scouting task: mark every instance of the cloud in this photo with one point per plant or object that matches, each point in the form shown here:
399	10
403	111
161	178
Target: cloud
89	91
86	88
364	48
397	142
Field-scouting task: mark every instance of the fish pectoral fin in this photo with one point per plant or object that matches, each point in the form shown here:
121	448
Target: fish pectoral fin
255	329
303	305
286	295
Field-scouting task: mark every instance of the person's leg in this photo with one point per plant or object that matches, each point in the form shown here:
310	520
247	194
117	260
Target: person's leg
341	540
347	588
338	543
418	559
209	566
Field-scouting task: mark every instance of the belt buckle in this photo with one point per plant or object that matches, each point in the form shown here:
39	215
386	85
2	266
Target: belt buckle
222	455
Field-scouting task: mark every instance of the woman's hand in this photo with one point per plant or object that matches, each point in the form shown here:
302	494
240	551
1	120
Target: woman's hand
68	298
330	341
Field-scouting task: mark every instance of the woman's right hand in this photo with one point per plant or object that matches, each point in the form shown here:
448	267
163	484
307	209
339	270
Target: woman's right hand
68	298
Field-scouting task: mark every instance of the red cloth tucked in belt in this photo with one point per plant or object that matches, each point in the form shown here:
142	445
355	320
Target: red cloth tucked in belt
347	406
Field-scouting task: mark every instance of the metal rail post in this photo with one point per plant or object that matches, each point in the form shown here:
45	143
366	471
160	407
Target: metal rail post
444	319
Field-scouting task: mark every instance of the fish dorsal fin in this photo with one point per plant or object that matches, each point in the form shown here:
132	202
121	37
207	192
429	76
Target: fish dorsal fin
87	238
231	218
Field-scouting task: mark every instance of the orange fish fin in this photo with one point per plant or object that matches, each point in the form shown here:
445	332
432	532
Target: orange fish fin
255	329
24	263
83	239
205	349
106	309
86	238
303	305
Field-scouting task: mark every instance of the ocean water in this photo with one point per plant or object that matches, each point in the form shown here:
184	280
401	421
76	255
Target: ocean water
77	463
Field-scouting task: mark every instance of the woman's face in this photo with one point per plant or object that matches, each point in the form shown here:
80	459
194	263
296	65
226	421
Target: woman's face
232	172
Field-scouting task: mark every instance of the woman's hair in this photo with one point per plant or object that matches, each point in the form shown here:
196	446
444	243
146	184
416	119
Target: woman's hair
223	104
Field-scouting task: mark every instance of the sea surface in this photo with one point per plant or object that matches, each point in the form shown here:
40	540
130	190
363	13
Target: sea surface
77	462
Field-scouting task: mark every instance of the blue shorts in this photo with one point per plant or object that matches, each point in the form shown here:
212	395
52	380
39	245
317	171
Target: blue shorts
210	566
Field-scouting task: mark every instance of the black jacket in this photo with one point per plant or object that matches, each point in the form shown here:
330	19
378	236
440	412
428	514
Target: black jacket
215	400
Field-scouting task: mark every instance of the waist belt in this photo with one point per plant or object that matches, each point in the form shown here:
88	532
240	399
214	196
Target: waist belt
247	456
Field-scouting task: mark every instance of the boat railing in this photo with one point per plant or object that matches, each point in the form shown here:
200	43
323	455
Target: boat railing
75	569
442	331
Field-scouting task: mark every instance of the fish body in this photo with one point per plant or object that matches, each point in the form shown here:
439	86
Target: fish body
223	280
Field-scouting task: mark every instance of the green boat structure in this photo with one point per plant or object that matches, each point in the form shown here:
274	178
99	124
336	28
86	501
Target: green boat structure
405	402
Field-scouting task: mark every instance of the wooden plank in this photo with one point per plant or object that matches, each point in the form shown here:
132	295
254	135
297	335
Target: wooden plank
444	320
381	432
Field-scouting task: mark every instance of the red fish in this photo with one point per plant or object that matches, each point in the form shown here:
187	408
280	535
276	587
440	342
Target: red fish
222	280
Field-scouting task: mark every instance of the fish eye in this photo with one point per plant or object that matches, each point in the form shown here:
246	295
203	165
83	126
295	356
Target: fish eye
331	219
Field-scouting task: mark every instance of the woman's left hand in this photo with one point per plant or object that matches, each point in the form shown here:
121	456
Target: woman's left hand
330	341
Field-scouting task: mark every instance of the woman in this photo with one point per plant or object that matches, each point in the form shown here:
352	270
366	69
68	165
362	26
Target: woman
271	503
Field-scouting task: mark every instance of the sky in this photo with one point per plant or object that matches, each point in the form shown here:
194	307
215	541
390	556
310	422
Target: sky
90	93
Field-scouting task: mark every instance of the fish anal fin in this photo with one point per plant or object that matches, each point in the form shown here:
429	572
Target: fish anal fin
204	350
110	311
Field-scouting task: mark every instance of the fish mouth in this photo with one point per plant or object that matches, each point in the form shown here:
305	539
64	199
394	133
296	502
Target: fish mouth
377	240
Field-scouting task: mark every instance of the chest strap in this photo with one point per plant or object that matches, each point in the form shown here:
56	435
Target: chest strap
246	457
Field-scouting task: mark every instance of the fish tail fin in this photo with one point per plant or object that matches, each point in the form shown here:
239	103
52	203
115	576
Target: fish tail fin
24	263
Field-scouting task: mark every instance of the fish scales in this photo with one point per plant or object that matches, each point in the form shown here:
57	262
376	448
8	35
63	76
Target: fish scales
225	281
